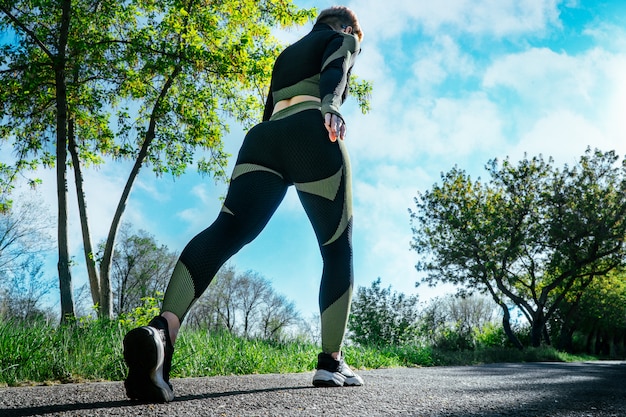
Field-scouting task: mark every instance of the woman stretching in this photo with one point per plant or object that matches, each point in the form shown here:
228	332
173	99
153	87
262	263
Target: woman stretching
300	143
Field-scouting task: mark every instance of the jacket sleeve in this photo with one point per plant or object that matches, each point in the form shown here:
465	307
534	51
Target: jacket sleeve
338	61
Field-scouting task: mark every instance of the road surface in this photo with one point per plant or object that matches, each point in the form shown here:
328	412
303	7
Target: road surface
590	389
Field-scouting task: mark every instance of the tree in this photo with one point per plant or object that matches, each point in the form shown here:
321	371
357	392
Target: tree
35	100
309	330
470	313
149	81
219	302
141	268
251	291
276	315
24	232
22	290
244	304
597	314
453	323
24	238
531	236
382	317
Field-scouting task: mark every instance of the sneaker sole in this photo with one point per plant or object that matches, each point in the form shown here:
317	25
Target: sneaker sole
324	378
144	354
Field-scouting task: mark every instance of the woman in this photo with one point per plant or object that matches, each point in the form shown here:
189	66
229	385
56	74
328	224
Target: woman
300	143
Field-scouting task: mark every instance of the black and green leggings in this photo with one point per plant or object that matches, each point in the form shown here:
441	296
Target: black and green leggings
294	150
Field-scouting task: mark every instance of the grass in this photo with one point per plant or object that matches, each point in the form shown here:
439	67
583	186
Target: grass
92	351
38	353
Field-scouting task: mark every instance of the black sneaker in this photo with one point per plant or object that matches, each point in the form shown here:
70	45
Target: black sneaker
334	373
148	354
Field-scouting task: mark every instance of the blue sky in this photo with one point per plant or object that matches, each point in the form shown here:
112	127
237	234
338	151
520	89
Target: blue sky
456	82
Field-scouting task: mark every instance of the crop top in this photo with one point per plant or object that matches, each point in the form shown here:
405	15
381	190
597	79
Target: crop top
317	65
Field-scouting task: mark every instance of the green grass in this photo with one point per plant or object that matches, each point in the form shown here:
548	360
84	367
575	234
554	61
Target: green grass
92	351
40	353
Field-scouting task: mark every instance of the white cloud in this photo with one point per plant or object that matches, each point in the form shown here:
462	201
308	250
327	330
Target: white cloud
535	101
383	235
202	203
439	59
406	130
502	18
613	115
465	125
382	230
612	36
545	79
487	17
562	135
560	104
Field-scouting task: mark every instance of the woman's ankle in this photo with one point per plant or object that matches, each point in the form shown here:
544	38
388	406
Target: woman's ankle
173	324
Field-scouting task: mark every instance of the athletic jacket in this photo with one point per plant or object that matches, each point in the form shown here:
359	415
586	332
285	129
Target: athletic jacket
318	65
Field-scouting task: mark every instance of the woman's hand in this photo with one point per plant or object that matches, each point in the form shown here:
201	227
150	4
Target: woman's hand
335	126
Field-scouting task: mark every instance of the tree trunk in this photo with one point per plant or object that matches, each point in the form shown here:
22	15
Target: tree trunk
536	328
614	345
568	328
506	325
106	298
604	346
588	342
565	341
90	261
106	305
546	336
65	277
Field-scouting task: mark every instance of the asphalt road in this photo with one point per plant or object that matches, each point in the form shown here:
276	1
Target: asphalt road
591	389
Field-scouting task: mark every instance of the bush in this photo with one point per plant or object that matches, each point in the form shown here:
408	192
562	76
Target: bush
490	336
454	340
381	317
141	316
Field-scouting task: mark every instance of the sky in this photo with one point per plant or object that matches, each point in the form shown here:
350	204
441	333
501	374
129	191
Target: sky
456	83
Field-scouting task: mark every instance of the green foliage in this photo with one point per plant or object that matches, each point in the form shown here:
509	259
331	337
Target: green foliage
597	313
380	317
91	350
454	340
490	336
362	89
504	355
38	352
153	82
203	353
530	236
457	323
141	316
174	70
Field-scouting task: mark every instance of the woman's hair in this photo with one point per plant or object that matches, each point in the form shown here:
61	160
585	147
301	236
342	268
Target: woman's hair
336	16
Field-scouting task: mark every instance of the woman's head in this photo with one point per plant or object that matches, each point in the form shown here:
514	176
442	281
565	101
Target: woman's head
340	18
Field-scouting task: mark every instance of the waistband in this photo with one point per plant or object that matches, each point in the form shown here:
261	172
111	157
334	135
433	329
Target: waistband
296	108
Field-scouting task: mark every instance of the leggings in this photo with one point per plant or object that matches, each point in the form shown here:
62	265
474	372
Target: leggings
294	150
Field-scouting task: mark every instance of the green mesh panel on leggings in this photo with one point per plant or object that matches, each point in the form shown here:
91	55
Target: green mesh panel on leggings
328	188
334	320
241	169
180	292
